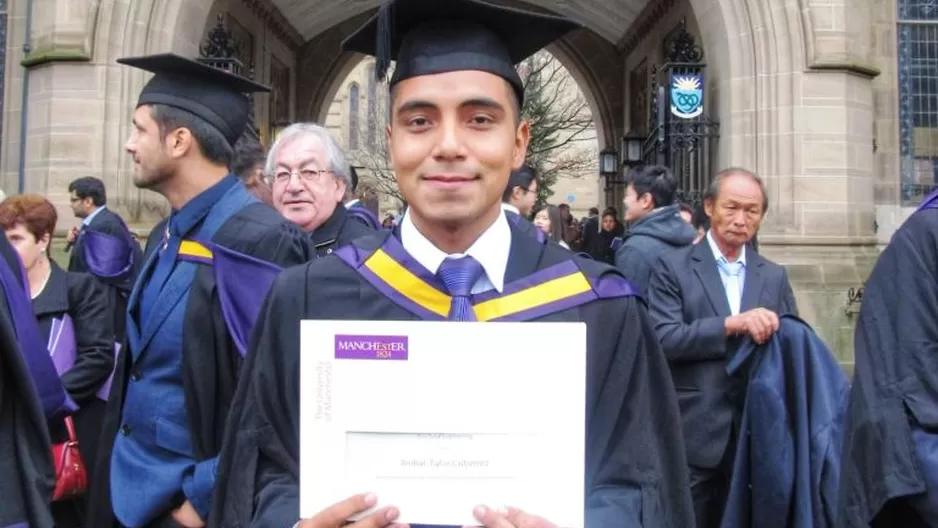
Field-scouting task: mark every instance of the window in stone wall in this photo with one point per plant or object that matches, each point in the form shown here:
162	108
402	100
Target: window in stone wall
638	95
3	54
280	92
353	117
371	130
918	98
244	40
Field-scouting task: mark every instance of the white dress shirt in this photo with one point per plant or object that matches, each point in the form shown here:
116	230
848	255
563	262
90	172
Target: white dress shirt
490	250
511	208
732	283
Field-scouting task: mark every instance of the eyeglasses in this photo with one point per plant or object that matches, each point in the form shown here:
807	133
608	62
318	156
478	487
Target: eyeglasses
306	175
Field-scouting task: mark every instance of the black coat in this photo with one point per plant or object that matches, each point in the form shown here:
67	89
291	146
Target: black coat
635	470
26	467
340	229
688	305
895	384
84	299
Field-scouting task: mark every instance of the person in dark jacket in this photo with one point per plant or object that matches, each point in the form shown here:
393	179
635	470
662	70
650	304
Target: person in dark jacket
655	223
103	246
248	164
520	194
702	299
28	477
890	457
74	319
310	176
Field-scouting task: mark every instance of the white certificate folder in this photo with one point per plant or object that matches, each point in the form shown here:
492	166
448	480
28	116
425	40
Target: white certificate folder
439	417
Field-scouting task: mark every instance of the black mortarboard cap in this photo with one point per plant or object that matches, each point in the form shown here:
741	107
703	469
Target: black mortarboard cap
426	37
213	94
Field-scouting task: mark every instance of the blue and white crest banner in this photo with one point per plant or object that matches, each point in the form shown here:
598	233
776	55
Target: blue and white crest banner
686	94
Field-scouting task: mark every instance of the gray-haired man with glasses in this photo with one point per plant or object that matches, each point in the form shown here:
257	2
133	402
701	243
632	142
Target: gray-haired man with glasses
310	179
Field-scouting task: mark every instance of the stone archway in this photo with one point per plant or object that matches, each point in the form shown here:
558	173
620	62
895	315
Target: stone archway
325	71
764	55
121	28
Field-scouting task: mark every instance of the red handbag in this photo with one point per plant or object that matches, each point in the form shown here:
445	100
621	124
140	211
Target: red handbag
71	477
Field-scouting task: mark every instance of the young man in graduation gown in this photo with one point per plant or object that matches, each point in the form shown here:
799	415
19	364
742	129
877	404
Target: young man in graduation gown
26	467
180	365
889	469
454	137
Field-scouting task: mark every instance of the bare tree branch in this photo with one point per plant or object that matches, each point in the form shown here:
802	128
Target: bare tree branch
559	119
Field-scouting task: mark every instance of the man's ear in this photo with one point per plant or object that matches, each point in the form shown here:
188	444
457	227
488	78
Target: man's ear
522	138
179	142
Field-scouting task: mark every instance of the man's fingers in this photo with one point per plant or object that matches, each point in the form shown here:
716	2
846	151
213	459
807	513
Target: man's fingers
337	514
379	519
491	518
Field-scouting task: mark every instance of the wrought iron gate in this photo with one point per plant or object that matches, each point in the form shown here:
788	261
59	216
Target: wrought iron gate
683	135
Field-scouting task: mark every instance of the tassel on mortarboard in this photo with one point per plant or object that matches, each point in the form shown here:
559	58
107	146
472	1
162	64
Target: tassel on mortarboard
383	45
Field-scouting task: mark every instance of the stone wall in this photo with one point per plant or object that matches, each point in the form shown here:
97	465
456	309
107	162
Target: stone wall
797	107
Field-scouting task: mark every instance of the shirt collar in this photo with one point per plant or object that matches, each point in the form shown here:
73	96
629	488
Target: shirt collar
718	255
352	202
491	249
191	214
511	208
87	220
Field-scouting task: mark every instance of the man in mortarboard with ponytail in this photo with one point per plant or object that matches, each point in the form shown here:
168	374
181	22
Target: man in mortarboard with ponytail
454	137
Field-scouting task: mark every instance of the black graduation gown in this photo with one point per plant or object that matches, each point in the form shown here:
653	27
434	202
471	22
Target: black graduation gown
26	467
636	471
895	379
109	223
84	299
210	359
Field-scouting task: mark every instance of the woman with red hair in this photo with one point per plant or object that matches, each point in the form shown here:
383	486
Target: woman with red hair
73	315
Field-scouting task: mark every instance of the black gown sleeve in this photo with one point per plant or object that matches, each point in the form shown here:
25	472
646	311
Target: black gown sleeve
94	333
636	468
258	474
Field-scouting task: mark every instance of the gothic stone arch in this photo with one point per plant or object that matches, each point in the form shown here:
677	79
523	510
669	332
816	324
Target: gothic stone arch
591	60
760	51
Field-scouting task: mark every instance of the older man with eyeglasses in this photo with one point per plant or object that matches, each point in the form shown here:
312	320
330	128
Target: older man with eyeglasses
310	179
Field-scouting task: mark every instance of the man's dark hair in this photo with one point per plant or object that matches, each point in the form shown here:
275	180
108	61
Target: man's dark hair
655	181
594	211
353	177
89	187
248	156
519	178
713	190
212	143
700	219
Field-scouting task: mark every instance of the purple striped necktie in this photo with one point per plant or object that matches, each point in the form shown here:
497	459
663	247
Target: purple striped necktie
459	275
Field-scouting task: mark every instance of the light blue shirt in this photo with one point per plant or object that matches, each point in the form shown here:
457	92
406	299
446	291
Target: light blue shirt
732	274
87	220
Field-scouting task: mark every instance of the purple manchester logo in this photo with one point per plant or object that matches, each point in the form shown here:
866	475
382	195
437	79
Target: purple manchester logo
370	347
